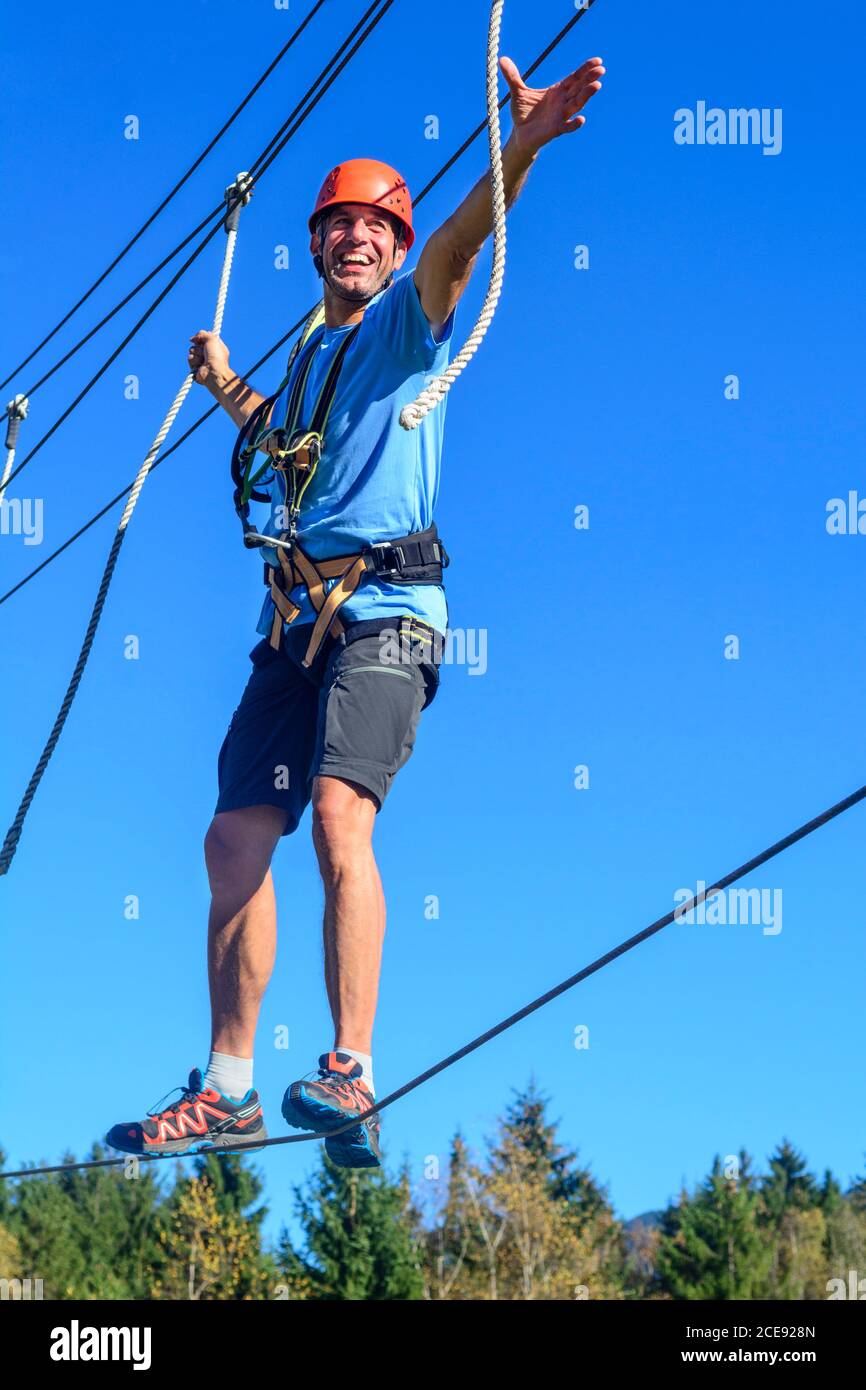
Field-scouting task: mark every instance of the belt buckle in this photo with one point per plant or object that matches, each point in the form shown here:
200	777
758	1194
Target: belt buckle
381	550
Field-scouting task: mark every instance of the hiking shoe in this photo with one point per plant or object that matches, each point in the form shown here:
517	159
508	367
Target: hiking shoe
201	1119
325	1103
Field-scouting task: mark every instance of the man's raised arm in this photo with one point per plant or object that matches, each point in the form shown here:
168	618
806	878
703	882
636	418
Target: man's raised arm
539	115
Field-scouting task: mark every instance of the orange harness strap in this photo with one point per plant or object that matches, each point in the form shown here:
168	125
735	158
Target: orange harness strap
298	568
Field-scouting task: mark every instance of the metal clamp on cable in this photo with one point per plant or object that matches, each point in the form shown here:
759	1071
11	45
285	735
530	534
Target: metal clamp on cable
303	451
237	196
16	411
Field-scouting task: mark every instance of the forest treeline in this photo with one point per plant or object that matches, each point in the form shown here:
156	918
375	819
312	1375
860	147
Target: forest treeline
522	1220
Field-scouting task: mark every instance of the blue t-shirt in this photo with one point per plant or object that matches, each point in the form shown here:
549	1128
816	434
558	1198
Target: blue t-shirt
375	480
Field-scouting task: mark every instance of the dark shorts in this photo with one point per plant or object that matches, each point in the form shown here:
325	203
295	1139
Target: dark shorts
353	715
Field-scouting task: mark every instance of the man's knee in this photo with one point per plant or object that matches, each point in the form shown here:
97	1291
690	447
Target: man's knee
239	845
343	817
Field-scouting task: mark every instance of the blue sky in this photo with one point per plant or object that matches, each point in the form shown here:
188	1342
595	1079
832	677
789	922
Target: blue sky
602	387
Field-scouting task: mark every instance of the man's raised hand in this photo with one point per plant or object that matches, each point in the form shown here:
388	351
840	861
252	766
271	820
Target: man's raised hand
540	114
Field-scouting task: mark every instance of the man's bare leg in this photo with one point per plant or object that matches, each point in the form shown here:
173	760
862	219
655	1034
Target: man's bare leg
354	925
242	928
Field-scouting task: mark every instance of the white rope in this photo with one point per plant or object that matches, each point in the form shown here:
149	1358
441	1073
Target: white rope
179	399
412	415
237	196
16	411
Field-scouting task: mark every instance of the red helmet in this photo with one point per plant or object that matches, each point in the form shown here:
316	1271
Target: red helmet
367	181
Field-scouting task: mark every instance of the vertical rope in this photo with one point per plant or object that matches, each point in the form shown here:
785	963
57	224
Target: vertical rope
411	415
237	196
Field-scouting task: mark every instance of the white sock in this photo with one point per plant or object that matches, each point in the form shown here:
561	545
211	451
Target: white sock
233	1076
366	1062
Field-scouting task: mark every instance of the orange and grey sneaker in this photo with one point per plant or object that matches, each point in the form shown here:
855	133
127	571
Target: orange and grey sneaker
201	1119
328	1101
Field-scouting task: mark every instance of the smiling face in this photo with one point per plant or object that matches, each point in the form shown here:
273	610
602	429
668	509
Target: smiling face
359	250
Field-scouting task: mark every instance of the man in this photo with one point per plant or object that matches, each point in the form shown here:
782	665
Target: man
324	717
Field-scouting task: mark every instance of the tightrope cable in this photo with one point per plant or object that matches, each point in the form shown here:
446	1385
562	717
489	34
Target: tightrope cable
676	914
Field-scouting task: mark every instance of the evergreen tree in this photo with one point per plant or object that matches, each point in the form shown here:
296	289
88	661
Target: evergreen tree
857	1194
236	1187
830	1198
115	1223
359	1235
789	1185
294	1281
565	1180
530	1223
560	1237
89	1234
710	1245
845	1241
787	1194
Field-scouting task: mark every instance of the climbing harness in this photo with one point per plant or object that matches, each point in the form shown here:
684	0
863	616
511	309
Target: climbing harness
295	454
411	415
419	558
676	914
16	411
237	195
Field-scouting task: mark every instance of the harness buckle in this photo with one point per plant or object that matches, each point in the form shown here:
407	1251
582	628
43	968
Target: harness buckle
303	451
387	559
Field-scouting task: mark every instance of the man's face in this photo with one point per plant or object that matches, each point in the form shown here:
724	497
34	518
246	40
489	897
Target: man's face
358	250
